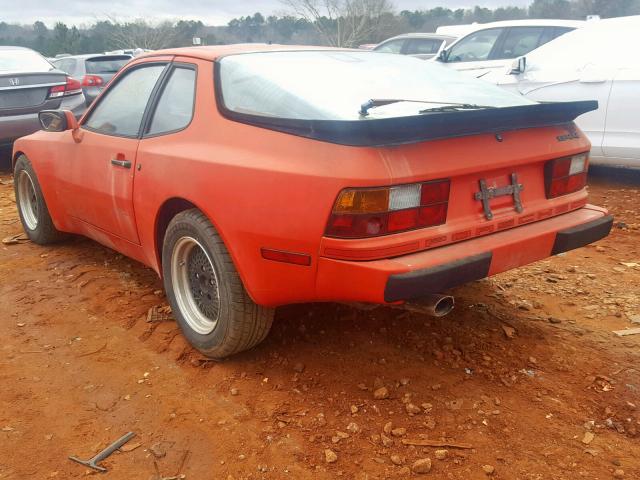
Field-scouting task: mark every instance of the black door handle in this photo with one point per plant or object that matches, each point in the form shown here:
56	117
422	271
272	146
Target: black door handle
121	163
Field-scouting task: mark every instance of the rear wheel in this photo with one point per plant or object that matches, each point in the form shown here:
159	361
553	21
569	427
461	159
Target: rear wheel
206	294
33	211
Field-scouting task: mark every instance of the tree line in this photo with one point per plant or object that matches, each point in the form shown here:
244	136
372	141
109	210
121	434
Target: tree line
345	23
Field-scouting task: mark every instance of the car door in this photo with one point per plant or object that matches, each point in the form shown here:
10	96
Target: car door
98	185
622	130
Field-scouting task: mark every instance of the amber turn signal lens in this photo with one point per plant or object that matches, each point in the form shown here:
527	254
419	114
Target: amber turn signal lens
362	201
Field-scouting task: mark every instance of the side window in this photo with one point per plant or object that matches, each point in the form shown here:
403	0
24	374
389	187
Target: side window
121	109
553	32
422	46
175	107
475	46
519	41
393	46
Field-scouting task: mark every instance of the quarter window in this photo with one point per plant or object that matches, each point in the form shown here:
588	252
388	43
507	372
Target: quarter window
392	46
474	47
120	111
175	107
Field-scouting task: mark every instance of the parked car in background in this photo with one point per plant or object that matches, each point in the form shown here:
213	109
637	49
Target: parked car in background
302	174
421	45
28	84
492	46
92	71
597	62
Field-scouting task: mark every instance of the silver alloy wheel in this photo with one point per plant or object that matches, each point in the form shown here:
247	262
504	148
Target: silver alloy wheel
27	200
195	285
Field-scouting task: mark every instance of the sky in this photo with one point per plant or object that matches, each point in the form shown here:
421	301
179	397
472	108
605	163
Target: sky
210	12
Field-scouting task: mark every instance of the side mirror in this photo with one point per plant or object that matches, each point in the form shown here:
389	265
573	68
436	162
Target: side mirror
442	56
57	120
518	66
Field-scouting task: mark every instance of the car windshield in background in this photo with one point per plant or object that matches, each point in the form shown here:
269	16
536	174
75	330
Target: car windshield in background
333	85
100	65
23	61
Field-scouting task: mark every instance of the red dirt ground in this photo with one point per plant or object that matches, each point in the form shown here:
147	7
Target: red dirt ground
80	366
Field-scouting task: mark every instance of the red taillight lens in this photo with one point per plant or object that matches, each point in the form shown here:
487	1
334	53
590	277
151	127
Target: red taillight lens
92	81
566	175
72	87
370	212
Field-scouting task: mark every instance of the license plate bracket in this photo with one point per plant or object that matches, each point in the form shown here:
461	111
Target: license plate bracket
487	193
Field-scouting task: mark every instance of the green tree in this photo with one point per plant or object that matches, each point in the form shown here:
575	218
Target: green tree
551	9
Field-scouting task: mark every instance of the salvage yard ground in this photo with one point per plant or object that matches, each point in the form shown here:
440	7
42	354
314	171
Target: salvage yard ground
525	374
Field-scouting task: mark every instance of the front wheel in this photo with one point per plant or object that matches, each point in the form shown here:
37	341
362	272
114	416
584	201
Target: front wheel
33	211
205	291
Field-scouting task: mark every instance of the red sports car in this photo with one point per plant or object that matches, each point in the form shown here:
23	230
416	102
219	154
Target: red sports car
254	176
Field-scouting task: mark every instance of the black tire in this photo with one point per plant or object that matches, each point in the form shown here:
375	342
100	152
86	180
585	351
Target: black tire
240	324
38	225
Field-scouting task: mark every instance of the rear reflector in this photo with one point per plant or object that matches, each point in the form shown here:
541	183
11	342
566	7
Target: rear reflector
286	257
566	175
370	212
72	87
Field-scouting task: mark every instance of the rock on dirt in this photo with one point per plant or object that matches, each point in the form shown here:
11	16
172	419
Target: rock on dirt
330	456
381	393
422	465
440	454
588	438
488	469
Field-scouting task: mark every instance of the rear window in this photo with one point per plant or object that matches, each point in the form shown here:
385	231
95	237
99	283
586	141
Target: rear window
23	61
332	85
100	65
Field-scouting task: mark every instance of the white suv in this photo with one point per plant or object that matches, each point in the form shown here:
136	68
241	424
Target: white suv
492	46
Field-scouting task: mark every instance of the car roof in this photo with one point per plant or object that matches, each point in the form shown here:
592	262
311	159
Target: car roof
95	55
11	47
213	52
436	36
542	22
465	29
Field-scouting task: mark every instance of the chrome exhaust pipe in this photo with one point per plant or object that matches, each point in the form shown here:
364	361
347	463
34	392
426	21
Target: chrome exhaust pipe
434	304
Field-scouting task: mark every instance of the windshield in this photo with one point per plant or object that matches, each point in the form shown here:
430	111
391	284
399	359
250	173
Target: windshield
333	85
100	65
23	61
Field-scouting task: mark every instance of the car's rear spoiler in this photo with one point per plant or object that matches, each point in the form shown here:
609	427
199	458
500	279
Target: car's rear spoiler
420	128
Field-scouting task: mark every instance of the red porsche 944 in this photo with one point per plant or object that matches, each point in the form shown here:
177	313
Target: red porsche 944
255	176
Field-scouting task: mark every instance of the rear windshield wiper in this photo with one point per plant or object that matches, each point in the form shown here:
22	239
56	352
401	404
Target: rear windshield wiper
454	107
447	106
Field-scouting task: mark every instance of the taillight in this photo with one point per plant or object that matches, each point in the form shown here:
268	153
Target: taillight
566	175
72	87
92	81
370	212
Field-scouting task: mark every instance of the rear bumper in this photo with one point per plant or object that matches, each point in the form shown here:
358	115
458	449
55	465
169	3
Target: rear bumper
438	269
